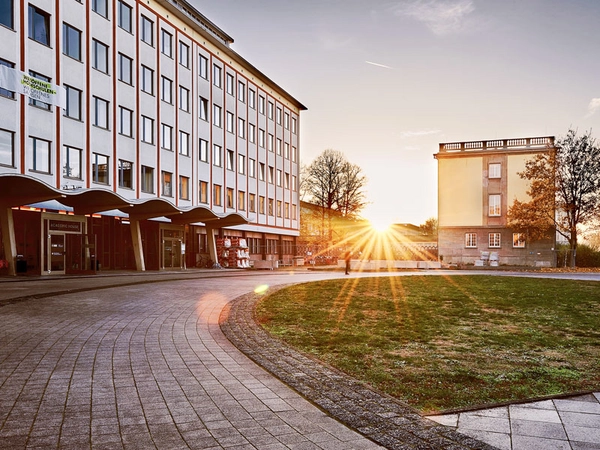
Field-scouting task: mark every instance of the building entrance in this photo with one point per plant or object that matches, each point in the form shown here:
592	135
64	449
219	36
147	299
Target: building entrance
172	249
56	253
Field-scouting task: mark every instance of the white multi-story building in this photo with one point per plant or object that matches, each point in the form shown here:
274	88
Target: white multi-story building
131	134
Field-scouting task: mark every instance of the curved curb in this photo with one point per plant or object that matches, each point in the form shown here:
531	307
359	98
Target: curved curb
379	417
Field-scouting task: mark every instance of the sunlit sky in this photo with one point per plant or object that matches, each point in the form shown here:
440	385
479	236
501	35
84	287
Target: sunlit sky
386	81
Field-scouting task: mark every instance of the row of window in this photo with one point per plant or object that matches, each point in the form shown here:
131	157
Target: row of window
495	240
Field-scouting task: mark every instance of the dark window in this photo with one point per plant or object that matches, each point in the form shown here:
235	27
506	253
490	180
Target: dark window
125	16
7	148
100	168
71	42
125	71
6	13
99	6
6	92
72	165
39	25
73	109
146	30
100	56
125	174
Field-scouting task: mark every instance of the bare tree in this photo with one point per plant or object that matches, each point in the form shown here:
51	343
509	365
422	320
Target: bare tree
564	190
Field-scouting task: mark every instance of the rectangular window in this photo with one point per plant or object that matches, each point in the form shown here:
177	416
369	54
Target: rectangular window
125	121
203	67
294	125
287	210
217	195
40	149
278	116
230	122
230	198
39	103
203	194
294	208
229	84
100	113
100	56
471	240
166	136
5	92
7	148
251	168
203	150
270	110
494	170
184	54
495	207
241	127
242	164
230	160
494	240
279	212
166	43
287	180
217	76
287	150
261	171
125	174
99	6
73	109
99	168
184	188
184	99
271	207
203	108
125	16
271	174
72	162
252	98
518	240
147	80
241	92
251	133
184	143
125	69
252	202
261	138
147	130
241	200
217	116
279	147
261	104
7	13
294	183
286	121
217	155
147	179
167	184
261	204
279	181
71	42
146	31
39	25
166	92
294	154
270	142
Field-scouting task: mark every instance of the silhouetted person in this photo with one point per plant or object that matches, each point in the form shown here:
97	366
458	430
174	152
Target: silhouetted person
347	258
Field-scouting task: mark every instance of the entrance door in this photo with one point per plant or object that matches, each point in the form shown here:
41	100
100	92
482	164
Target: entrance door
171	254
57	253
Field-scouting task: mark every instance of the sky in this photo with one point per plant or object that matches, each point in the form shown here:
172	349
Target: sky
386	81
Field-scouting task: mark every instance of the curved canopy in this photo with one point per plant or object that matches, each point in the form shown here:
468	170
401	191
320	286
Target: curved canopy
95	200
18	190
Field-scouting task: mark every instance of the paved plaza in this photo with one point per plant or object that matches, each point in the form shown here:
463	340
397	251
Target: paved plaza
125	361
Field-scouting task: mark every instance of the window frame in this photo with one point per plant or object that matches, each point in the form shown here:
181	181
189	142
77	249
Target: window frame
147	30
95	168
495	240
184	143
147	80
67	112
494	205
129	72
38	32
101	113
121	171
7	144
166	184
470	240
122	6
519	240
167	51
147	179
496	172
68	152
71	33
45	159
145	122
99	61
123	130
166	130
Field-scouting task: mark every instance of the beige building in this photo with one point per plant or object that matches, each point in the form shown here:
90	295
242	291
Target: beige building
477	183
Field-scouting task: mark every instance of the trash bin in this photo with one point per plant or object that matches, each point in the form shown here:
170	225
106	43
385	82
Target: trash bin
21	265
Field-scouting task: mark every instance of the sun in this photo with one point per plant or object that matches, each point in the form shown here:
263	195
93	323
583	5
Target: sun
380	225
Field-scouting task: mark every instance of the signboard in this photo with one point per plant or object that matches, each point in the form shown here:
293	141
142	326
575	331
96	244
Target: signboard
64	225
22	83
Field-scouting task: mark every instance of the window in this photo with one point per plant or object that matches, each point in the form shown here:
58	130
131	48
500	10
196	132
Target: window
261	138
230	160
5	92
217	195
72	162
287	150
217	76
270	142
229	84
279	213
39	25
278	177
71	42
38	103
125	71
494	207
184	54
242	164
270	110
278	116
217	155
287	210
100	7
147	130
286	121
166	136
203	151
147	179
261	204
203	108
184	188
241	92
100	56
125	174
40	149
7	148
124	16
294	154
294	212
287	181
125	121
471	240
261	104
294	183
494	240
518	240
184	143
166	43
73	109
99	168
252	133
100	113
184	99
203	194
252	202
251	168
167	184
203	66
241	127
241	200
6	13
271	174
166	93
271	207
217	115
252	98
146	31
230	198
279	147
294	125
147	80
494	170
261	171
230	122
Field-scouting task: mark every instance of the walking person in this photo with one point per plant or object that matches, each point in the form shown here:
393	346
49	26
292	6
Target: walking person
348	258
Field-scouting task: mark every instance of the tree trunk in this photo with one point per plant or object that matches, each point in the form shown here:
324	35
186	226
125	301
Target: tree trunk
573	252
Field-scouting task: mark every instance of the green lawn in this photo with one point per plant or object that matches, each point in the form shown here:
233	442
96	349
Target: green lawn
439	343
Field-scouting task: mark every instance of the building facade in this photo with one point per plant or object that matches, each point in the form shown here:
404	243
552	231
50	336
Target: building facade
477	183
132	136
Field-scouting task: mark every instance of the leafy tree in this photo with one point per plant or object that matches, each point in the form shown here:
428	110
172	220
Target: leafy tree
564	188
430	227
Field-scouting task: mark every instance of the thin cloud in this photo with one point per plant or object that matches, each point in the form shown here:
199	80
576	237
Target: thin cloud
378	65
419	133
442	17
593	107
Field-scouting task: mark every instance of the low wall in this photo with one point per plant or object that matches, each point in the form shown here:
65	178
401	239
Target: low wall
382	264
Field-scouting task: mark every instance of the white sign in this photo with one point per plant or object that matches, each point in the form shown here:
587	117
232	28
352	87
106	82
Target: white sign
22	83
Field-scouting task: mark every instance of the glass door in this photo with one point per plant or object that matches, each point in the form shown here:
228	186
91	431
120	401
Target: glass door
171	253
57	253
